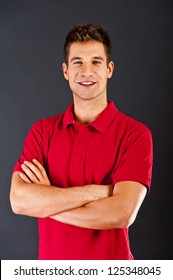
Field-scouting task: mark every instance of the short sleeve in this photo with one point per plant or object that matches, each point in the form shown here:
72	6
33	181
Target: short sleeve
137	157
33	146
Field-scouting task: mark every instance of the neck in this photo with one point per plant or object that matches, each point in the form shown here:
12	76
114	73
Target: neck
88	110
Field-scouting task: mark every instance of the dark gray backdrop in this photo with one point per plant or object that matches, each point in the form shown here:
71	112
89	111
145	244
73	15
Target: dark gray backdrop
32	86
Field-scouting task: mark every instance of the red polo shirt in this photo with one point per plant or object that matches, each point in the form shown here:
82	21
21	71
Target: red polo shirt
111	149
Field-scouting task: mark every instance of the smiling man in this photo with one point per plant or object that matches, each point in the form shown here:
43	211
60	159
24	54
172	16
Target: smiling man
84	173
87	74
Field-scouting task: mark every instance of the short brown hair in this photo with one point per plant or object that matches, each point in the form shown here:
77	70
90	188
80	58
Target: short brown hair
85	33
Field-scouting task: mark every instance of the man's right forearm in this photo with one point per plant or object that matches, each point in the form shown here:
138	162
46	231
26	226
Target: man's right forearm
38	200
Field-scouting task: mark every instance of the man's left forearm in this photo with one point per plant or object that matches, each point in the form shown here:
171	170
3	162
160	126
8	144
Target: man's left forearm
99	214
116	211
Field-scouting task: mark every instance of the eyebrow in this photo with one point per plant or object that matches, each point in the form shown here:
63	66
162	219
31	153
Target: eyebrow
80	58
98	58
75	58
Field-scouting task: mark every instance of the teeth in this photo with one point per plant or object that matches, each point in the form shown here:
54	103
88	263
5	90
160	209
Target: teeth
87	83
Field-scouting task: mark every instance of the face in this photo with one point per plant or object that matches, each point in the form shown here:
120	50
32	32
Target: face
87	70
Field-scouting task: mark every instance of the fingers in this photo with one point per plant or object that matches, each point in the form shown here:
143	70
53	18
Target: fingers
35	172
31	171
40	168
24	178
44	178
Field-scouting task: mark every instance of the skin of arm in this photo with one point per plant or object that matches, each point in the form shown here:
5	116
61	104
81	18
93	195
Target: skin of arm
31	193
118	210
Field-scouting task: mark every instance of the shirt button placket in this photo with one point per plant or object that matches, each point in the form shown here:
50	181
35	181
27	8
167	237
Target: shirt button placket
79	146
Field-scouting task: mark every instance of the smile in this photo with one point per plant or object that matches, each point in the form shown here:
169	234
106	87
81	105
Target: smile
87	83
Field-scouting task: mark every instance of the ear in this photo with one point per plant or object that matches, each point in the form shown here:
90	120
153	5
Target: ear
110	69
65	70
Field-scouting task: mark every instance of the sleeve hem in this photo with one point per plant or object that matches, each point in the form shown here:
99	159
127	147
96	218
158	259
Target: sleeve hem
145	181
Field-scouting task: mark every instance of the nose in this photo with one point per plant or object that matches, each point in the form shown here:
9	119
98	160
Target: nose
87	70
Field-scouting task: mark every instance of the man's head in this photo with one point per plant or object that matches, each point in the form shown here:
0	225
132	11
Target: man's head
87	64
86	33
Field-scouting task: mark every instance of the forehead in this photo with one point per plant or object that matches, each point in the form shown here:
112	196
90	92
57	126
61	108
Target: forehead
87	49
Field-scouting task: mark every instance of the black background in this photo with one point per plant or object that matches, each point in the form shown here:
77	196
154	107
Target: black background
32	86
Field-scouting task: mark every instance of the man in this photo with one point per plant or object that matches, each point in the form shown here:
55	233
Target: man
84	173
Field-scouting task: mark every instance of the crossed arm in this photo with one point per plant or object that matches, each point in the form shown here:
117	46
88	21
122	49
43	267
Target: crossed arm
89	206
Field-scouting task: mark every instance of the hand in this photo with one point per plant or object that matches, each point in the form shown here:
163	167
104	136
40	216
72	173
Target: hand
100	191
34	173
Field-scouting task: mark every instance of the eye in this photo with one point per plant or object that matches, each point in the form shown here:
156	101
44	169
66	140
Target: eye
77	62
96	62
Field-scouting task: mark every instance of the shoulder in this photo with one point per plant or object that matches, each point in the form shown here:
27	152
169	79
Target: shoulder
128	130
131	125
47	124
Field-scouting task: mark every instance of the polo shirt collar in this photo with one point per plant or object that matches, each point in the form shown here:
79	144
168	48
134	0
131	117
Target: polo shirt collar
100	124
